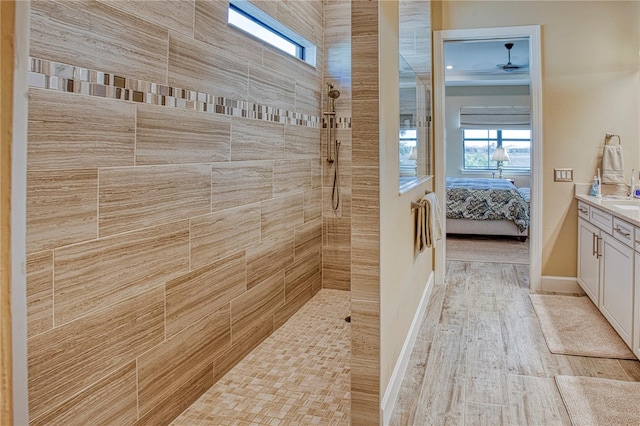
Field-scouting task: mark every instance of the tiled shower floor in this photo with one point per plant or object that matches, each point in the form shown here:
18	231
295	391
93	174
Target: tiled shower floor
299	375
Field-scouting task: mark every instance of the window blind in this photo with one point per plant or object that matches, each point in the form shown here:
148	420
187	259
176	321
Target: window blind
495	118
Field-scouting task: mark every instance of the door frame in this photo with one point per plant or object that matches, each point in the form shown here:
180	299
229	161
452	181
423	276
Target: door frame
15	56
532	32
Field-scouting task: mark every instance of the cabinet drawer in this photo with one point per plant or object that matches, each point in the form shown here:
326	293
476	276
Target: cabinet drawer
623	231
583	210
601	219
637	242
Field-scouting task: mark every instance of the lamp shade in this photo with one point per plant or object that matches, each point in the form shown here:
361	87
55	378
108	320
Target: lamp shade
413	155
500	154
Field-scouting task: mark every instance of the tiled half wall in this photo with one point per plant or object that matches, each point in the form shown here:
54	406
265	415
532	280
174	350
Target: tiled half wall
174	203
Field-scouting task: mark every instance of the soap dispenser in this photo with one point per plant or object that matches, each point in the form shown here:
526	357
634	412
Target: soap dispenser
594	187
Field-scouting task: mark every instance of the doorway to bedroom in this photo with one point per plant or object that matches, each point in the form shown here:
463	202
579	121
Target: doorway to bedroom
489	95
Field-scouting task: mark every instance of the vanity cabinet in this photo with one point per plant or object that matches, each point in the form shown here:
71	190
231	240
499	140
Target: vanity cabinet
636	319
616	299
607	267
589	249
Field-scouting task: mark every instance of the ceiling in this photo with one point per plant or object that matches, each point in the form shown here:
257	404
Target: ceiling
475	62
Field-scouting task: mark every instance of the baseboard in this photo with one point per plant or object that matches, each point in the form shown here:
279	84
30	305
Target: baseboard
560	284
393	388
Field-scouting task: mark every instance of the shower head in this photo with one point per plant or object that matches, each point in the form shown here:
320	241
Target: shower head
333	95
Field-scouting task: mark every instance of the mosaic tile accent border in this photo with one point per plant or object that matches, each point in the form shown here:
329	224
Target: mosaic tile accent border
68	78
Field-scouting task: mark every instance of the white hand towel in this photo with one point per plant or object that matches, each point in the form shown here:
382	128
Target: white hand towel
420	241
612	164
433	223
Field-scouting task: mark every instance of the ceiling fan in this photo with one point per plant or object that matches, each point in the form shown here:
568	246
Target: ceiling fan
508	66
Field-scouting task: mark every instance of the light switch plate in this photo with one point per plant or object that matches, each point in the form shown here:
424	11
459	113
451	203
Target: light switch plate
563	175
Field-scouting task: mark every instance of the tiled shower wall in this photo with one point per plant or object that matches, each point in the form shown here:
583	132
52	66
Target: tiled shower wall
336	250
174	206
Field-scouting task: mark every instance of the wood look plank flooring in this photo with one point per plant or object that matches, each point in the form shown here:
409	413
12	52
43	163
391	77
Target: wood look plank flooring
480	357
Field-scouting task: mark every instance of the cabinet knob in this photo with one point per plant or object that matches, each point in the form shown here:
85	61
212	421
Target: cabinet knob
583	210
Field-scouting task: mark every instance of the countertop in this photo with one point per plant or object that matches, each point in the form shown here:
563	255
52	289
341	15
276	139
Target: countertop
625	208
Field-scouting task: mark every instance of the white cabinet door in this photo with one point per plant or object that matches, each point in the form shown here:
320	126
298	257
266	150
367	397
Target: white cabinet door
588	260
616	302
636	311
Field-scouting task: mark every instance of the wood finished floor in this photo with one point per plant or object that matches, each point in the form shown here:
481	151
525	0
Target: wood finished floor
480	357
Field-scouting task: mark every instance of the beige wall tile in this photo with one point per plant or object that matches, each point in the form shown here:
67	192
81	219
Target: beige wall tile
365	362
132	198
344	160
365	152
316	173
49	225
364	69
172	135
199	66
337	232
299	277
305	18
336	268
220	234
282	214
269	256
238	183
288	65
269	6
39	292
211	27
271	88
308	99
178	401
292	306
198	293
67	359
312	205
95	274
110	401
365	193
240	349
256	140
364	19
181	358
291	176
308	238
255	307
173	15
365	267
343	201
345	207
120	43
71	131
302	142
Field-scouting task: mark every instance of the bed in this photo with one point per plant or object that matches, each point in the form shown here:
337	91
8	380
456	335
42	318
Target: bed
487	207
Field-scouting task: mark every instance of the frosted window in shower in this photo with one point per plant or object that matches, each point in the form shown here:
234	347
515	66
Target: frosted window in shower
250	19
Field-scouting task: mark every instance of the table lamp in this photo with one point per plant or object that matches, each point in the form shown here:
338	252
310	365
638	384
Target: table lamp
500	155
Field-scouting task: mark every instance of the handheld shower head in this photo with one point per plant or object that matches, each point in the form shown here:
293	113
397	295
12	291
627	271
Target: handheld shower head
333	95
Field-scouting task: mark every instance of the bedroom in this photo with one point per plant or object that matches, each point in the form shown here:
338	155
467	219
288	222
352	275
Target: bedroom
488	146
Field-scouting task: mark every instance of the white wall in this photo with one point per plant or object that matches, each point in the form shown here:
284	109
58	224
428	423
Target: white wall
459	96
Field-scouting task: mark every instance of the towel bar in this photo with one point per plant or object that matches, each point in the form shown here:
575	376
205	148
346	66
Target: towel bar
608	136
415	205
